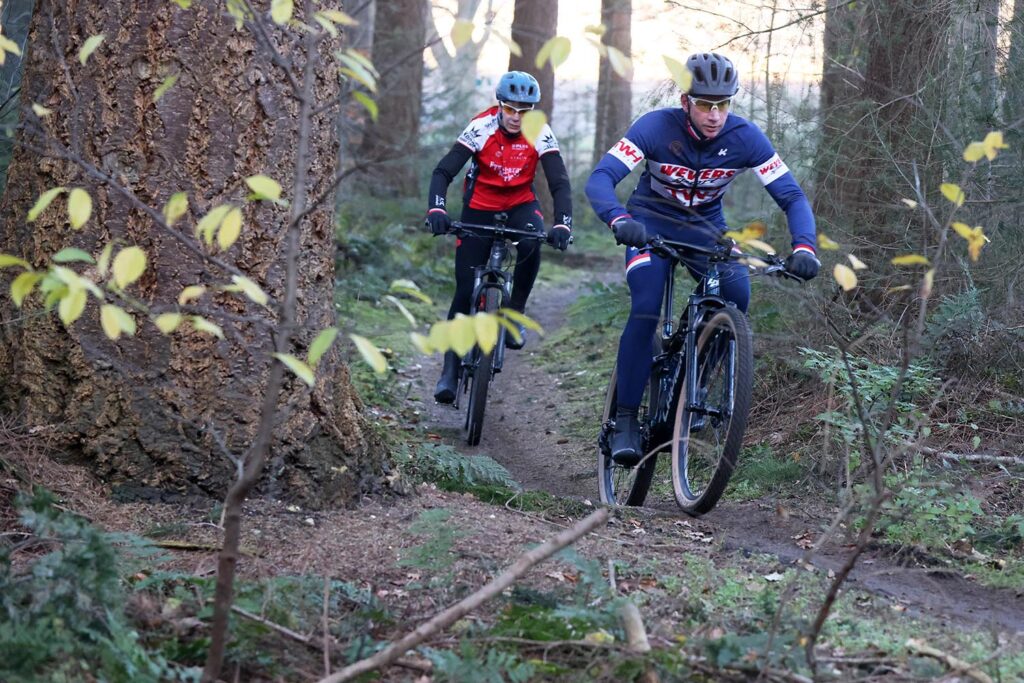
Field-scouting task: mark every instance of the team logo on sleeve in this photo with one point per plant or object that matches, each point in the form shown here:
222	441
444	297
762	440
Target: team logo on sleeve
770	170
626	151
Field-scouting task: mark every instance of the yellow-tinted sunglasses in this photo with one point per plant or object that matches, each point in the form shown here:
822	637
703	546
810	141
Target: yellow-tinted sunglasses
707	105
510	110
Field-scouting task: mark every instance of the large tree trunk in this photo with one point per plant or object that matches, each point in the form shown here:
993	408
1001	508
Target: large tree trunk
534	23
614	92
883	94
400	29
157	412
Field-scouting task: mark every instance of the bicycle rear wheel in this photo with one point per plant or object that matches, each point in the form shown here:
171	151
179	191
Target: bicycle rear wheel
480	380
620	485
708	431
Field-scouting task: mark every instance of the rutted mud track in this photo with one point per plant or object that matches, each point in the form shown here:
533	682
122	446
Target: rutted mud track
522	432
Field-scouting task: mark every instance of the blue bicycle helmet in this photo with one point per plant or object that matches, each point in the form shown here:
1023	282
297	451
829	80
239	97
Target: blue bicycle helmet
713	75
518	86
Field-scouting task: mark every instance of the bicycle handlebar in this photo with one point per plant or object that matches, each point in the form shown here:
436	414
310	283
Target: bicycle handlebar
723	251
460	228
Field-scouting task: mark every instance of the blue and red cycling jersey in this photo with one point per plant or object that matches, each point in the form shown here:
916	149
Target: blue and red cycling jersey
686	174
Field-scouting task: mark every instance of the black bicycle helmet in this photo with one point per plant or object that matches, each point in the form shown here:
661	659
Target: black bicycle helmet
713	75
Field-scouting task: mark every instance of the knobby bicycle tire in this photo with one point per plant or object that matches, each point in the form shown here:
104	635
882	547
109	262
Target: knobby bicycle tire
481	379
618	485
705	451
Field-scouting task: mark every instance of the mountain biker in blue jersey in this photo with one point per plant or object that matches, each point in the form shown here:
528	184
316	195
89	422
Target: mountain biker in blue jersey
499	180
691	154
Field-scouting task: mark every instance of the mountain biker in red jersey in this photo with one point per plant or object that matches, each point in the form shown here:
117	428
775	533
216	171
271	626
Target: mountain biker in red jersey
499	180
690	155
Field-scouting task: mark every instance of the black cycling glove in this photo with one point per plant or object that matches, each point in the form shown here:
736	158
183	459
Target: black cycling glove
558	237
630	232
803	264
439	222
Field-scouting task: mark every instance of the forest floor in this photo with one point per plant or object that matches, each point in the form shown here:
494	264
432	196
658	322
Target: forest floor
715	593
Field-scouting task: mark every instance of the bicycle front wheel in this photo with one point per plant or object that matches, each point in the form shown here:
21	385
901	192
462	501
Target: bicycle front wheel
619	485
709	427
480	380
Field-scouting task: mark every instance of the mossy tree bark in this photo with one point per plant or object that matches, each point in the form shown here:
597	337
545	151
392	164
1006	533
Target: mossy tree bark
155	412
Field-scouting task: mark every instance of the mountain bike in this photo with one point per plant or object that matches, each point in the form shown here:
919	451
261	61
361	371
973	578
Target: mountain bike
492	290
696	403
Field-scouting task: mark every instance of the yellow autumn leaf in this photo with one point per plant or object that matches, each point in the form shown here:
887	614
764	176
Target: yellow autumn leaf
556	50
230	229
927	283
751	231
321	345
992	143
264	187
370	353
976	238
856	262
129	265
300	369
71	306
461	334
168	322
533	125
462	32
250	289
22	286
164	86
40	110
974	152
44	201
189	293
421	343
826	243
680	74
89	47
281	10
7	260
513	47
115	320
845	276
175	207
521	318
953	193
79	207
909	202
760	246
209	223
338	17
620	63
910	260
201	324
486	327
103	262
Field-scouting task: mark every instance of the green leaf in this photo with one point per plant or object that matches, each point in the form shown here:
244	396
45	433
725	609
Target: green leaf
301	370
362	76
89	47
513	47
114	320
79	207
680	74
71	306
22	286
230	229
321	344
462	32
264	187
209	223
175	207
367	102
326	25
533	125
7	260
166	85
129	265
8	45
168	322
281	10
486	327
412	289
71	255
620	63
43	202
370	353
183	4
203	325
250	289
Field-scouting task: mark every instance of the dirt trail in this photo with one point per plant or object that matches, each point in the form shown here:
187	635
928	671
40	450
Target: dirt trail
521	432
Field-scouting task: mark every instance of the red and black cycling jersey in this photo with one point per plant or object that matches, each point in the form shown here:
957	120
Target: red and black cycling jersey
503	169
